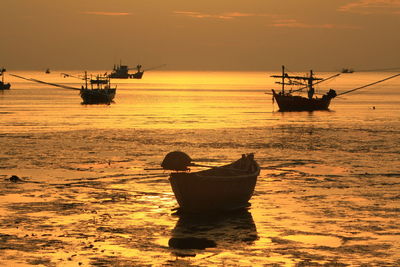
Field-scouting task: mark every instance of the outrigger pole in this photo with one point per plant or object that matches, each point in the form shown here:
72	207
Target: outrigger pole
331	77
39	81
358	88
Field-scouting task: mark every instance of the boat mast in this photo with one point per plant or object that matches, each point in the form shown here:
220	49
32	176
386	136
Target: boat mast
283	79
86	80
310	85
2	74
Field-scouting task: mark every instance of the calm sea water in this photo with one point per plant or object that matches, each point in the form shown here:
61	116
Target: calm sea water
328	192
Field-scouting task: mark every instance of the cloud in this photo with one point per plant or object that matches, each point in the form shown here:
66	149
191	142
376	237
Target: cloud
292	23
102	13
223	16
368	7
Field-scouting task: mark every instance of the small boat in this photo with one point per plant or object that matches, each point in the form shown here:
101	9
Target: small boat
347	70
102	93
99	91
223	188
122	72
289	102
3	85
47	71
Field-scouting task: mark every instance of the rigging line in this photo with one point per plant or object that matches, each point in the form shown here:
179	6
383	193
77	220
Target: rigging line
156	67
331	77
352	90
73	76
305	87
39	81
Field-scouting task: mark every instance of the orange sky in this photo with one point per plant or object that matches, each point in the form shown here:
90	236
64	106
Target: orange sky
220	35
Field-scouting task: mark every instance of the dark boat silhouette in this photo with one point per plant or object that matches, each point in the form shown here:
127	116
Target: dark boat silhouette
347	70
122	72
3	85
98	92
223	188
289	102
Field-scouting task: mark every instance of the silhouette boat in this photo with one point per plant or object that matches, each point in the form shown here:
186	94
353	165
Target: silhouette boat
289	102
122	72
347	70
99	91
223	188
3	85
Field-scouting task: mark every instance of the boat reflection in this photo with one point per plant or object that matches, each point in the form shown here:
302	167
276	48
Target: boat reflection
213	230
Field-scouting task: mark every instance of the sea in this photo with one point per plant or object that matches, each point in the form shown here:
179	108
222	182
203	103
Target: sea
91	191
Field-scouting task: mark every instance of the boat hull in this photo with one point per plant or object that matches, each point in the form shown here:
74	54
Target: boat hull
119	75
5	86
203	192
299	103
97	96
137	75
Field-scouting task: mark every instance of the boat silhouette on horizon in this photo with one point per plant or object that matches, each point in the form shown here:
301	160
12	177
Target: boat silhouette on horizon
3	85
96	90
122	72
287	101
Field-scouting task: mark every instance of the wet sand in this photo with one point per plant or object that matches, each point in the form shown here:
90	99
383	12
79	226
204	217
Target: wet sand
325	196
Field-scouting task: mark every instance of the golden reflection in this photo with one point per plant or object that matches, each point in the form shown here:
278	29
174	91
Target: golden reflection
213	230
319	240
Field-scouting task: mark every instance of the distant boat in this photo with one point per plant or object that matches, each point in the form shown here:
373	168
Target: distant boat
346	70
99	91
3	85
103	93
122	72
47	71
289	102
224	188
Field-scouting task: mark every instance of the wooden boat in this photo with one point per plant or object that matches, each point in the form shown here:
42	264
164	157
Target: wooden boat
347	70
224	188
99	91
289	102
122	72
98	96
3	85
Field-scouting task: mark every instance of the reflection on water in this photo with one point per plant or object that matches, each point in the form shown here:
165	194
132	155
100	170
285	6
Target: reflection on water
210	230
327	195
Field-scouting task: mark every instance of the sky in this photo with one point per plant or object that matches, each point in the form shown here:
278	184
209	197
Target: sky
200	35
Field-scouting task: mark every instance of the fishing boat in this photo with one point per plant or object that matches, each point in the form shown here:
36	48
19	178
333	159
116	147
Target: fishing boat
223	188
287	101
347	70
122	72
3	85
99	91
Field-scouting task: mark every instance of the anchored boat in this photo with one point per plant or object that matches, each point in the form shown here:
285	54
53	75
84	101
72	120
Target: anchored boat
289	102
99	91
3	85
122	72
223	188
